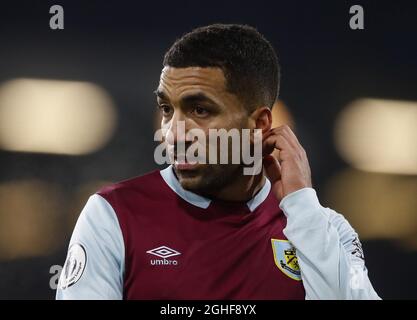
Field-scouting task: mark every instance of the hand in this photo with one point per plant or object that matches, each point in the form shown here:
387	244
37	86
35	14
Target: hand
288	168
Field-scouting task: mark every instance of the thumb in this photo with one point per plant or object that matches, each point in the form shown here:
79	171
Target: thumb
272	168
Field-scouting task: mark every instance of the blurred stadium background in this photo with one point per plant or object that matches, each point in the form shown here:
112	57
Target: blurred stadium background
77	111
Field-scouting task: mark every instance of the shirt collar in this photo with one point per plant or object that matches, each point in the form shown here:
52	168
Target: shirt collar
203	202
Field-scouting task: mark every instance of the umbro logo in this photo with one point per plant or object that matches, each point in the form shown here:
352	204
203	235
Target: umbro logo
163	252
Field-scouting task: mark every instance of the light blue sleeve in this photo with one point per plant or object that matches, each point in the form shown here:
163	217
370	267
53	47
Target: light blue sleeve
328	249
94	266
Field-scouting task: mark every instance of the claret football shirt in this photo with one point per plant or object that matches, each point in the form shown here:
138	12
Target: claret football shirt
148	238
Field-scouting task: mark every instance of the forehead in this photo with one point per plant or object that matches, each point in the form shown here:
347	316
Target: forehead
178	80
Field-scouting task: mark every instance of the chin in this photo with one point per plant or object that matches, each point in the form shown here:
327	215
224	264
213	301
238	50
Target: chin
198	180
205	179
191	183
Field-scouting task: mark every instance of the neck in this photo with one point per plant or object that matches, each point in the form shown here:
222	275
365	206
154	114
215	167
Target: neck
243	188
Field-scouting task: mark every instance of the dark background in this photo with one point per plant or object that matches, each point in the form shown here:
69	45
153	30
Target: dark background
119	45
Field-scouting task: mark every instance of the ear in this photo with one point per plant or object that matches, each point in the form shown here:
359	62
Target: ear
262	119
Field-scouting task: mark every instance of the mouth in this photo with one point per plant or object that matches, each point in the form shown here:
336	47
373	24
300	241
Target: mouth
181	162
185	166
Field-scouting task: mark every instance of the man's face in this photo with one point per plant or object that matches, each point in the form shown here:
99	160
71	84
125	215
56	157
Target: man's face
198	96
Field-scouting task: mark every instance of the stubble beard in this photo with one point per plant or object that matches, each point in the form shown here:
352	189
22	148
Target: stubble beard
208	180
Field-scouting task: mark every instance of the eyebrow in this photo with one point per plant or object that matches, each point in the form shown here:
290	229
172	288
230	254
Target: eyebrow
196	97
160	94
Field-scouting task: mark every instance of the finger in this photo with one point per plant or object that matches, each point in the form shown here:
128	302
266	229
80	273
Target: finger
275	132
267	134
272	168
275	141
292	138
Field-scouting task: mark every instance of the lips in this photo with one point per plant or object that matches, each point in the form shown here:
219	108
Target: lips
181	163
185	165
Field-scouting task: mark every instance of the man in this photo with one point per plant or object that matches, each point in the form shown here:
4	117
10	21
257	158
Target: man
208	231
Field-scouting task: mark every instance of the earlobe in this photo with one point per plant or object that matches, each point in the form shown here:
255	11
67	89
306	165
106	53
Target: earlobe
263	119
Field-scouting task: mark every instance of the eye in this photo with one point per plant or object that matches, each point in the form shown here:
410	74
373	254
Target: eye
200	111
166	110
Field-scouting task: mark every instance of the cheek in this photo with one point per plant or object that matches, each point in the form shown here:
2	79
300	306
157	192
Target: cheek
168	133
240	119
224	121
164	129
235	119
165	124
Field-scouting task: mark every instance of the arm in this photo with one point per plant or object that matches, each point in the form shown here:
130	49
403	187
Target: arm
328	249
95	262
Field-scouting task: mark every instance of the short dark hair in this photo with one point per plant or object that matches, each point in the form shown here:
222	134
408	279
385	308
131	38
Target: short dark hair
248	60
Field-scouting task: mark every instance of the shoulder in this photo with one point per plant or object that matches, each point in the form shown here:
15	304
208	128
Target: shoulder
143	184
135	197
